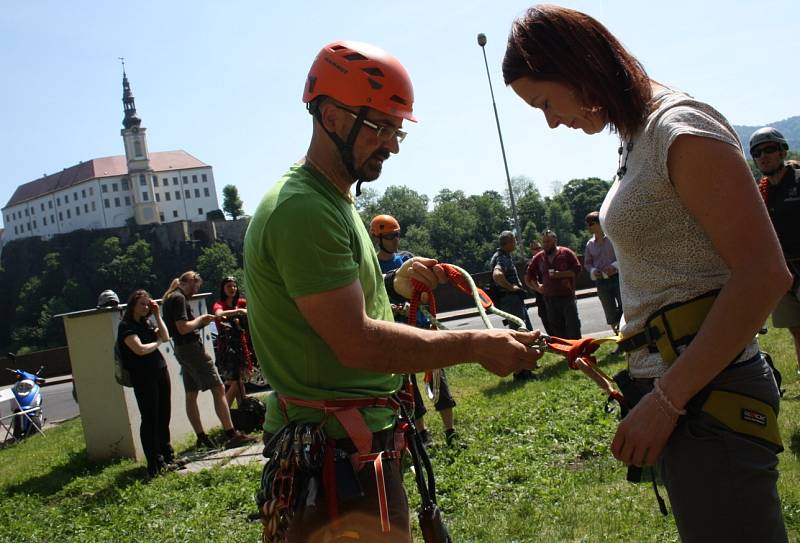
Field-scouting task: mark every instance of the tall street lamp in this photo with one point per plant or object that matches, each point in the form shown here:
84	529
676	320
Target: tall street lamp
482	43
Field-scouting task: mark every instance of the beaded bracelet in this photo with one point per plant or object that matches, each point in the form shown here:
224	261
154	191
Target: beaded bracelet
663	400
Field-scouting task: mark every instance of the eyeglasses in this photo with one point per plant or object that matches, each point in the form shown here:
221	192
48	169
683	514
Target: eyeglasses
384	132
393	235
769	149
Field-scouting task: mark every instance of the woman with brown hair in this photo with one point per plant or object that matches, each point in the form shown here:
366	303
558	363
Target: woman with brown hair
138	342
674	214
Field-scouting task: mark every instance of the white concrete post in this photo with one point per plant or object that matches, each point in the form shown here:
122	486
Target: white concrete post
109	413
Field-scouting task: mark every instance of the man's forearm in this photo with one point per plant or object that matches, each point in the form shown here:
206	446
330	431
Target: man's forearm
397	348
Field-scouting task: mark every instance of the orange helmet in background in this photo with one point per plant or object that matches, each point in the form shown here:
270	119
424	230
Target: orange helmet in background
383	224
361	75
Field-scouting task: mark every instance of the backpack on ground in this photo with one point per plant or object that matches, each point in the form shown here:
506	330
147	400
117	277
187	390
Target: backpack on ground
249	415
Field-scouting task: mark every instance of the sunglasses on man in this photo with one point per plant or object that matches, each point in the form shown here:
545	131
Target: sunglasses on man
768	150
393	235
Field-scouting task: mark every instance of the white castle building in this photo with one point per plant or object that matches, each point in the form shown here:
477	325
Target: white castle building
150	188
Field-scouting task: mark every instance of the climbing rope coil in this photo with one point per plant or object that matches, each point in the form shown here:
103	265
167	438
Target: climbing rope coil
579	353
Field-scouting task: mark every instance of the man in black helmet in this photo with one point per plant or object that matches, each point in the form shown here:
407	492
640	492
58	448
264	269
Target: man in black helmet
780	188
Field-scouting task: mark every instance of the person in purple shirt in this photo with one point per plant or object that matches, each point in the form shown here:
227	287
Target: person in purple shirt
601	263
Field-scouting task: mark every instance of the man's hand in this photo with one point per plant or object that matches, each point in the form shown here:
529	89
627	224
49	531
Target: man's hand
206	319
504	351
425	270
610	270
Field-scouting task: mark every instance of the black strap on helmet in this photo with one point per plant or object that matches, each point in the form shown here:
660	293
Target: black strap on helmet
345	147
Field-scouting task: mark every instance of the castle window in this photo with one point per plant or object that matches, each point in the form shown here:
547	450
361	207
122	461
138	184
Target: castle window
199	210
187	193
127	200
205	179
158	197
167	196
194	179
142	180
107	203
205	192
145	197
116	202
197	193
125	185
175	213
177	195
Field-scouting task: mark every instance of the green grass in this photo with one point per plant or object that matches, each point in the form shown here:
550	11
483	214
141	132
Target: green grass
538	468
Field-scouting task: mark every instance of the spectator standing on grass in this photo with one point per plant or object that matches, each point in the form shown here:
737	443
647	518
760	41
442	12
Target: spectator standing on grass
231	308
510	295
385	232
199	371
780	189
601	263
138	340
552	272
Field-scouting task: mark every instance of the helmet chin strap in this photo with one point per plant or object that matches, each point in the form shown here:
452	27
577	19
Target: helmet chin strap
380	241
345	147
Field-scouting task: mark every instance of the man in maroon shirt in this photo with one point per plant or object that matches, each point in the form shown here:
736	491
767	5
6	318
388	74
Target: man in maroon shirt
552	272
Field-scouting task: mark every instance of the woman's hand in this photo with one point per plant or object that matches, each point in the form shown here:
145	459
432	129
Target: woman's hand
642	434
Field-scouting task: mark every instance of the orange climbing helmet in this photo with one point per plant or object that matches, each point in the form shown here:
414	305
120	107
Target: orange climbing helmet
361	75
383	224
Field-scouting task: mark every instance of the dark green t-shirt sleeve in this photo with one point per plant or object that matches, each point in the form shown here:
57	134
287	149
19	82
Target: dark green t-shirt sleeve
311	245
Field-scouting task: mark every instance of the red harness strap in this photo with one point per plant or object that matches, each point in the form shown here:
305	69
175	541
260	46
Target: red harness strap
347	413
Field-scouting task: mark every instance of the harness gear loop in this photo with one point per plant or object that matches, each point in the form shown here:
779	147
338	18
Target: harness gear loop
347	412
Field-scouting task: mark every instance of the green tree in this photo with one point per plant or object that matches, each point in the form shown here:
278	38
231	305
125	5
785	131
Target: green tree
215	262
417	240
409	207
559	220
133	269
231	203
367	204
582	196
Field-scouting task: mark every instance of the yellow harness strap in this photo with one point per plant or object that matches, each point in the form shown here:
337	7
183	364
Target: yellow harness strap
745	415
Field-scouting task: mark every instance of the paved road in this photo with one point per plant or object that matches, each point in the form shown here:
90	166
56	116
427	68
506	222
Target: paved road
593	321
59	405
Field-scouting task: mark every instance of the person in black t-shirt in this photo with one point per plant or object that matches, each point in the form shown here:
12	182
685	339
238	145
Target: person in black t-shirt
199	370
780	189
138	343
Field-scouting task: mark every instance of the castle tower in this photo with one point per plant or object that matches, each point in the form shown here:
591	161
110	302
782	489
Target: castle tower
140	175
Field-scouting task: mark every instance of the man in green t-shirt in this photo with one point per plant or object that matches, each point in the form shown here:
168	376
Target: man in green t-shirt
320	316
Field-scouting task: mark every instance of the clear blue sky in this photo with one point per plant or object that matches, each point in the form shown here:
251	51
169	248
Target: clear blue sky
223	81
